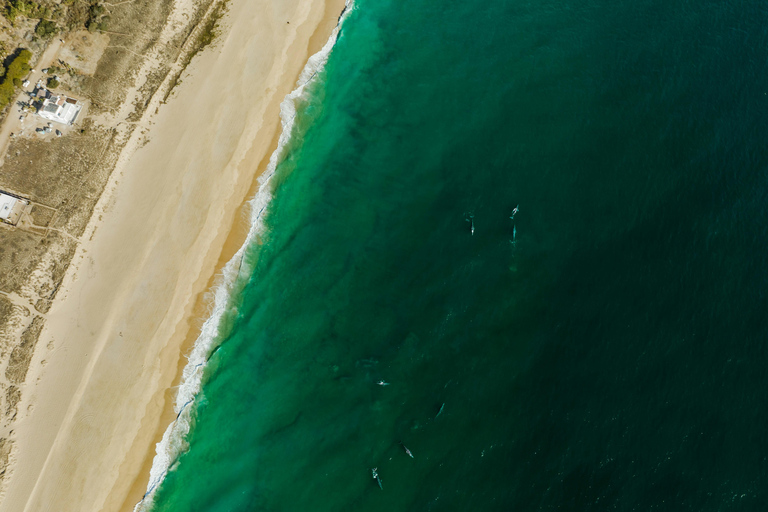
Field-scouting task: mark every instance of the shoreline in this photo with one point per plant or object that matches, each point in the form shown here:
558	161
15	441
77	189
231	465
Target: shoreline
236	241
173	441
200	311
110	317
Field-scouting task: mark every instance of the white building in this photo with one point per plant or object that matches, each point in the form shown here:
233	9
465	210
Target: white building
60	109
11	208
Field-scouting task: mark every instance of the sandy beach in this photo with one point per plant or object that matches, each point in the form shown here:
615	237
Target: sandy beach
99	388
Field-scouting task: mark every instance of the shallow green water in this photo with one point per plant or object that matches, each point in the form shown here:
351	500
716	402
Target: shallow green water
612	358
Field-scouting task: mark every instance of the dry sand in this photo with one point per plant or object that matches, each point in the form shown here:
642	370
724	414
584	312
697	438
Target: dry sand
99	381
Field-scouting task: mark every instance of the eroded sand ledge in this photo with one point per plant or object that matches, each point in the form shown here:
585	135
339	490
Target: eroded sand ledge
98	382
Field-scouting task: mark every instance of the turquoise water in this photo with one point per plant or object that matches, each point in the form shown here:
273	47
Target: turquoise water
604	350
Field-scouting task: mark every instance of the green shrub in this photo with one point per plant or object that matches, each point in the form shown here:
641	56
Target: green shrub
19	66
14	8
46	28
11	13
17	69
7	91
52	83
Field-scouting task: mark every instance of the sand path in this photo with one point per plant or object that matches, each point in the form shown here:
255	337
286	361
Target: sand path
110	350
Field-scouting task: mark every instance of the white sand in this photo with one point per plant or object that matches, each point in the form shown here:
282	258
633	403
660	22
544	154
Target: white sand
99	380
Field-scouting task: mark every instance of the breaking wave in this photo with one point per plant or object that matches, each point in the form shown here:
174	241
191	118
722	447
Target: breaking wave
229	286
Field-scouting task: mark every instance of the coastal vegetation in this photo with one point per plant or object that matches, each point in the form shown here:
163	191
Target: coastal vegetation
208	32
18	67
210	29
53	17
97	19
46	28
26	8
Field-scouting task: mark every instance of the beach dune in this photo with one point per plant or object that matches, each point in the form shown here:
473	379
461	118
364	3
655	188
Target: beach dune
100	379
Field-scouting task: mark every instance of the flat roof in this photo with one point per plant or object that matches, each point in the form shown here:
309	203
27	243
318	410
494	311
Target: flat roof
60	111
69	112
6	205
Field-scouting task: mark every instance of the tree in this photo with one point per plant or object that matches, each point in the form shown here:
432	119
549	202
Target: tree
46	28
17	69
96	10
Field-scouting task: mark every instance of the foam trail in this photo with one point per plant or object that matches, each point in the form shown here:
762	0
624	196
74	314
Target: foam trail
174	441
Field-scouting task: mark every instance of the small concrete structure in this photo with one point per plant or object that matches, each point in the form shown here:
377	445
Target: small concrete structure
11	208
60	109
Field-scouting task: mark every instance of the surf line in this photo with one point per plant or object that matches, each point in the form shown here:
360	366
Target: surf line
173	443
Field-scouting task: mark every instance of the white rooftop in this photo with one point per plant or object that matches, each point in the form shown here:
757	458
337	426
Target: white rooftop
11	208
60	109
6	206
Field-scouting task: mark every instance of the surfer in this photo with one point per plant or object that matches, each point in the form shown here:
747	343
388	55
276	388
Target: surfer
376	477
406	450
471	219
382	383
514	212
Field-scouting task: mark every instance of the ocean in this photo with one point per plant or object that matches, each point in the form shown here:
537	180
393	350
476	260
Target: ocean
604	346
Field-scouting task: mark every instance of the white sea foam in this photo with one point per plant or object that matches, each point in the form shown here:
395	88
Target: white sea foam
228	287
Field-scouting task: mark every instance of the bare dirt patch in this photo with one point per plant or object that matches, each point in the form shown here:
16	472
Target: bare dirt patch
42	215
83	51
66	173
20	252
